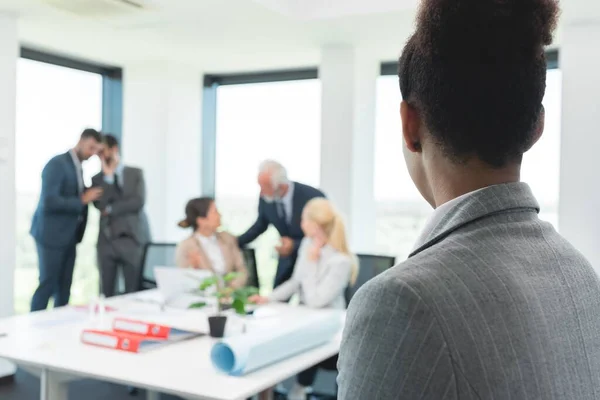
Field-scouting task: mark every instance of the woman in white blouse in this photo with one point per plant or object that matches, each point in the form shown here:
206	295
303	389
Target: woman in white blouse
207	248
324	269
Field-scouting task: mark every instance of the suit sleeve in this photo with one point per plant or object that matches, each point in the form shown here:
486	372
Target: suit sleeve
259	227
392	347
52	179
131	204
239	265
102	202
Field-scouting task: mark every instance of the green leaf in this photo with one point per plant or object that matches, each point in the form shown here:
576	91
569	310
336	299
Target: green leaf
200	304
208	282
239	306
230	276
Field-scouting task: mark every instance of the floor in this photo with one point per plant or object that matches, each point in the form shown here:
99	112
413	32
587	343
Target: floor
27	387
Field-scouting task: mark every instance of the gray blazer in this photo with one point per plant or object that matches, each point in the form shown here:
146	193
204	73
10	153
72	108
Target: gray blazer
494	305
127	216
321	283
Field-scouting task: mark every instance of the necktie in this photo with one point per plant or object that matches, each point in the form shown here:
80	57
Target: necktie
281	211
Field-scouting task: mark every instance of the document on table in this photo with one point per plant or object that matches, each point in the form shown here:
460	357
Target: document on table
242	354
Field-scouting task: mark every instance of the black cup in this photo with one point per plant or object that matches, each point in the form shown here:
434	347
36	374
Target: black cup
217	325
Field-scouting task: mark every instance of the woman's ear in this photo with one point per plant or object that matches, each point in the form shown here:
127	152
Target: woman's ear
411	127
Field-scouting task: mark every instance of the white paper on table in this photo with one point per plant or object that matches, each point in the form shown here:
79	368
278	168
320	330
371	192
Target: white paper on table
242	354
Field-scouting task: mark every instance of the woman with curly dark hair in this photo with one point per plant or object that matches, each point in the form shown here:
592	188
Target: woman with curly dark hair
493	303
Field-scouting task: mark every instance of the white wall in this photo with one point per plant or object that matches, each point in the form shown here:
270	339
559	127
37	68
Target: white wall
348	78
9	50
162	134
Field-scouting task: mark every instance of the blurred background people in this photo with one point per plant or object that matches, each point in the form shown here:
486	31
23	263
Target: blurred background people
207	248
324	270
60	219
281	203
124	229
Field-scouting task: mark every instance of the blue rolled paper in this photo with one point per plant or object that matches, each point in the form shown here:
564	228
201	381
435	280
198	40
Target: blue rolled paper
245	353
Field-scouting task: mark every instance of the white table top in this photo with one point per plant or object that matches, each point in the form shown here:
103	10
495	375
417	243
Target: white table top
51	339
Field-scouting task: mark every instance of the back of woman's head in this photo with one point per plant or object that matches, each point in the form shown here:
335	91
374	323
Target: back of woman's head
196	208
476	72
322	212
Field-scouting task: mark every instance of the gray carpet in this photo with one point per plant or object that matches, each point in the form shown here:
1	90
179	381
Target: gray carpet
27	387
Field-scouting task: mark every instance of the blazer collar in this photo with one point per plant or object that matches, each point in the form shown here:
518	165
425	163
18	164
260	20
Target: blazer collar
497	199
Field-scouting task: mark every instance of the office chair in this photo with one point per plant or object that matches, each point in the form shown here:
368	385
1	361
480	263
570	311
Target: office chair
155	254
250	259
369	267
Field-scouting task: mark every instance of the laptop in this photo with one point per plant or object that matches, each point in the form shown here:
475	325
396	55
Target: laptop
178	286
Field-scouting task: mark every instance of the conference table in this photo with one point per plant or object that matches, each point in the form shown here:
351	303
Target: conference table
48	343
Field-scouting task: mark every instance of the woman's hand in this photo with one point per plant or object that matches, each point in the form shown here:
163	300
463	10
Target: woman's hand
195	260
318	241
257	299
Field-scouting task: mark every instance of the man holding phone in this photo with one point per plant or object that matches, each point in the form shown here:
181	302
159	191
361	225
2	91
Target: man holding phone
124	229
60	219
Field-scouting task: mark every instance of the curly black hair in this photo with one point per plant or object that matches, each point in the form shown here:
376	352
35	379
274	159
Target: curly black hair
476	71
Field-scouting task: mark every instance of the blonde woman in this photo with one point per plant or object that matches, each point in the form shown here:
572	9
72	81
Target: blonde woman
324	269
207	248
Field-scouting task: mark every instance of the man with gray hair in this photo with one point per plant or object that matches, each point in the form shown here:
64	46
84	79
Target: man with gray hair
281	204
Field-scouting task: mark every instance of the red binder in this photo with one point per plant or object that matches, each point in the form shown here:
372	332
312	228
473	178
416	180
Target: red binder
119	340
135	336
143	328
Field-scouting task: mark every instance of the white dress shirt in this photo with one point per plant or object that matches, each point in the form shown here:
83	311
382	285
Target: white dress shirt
288	202
212	249
78	169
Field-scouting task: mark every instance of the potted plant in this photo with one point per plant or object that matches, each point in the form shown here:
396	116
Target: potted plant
227	298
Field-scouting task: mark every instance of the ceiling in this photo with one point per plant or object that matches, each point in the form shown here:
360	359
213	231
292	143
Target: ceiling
215	35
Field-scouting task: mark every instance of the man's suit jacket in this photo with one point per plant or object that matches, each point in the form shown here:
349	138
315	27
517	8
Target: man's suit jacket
60	218
127	217
493	305
268	215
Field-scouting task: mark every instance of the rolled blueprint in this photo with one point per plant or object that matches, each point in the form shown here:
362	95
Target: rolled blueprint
245	353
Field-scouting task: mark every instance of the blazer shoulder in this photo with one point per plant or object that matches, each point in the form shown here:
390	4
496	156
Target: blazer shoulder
134	170
59	161
98	177
228	239
188	243
309	191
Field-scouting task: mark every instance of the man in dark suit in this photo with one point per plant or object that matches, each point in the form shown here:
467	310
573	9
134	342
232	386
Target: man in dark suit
60	219
124	229
281	204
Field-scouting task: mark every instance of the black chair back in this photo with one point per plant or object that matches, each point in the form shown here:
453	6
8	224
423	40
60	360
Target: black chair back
369	267
155	255
250	259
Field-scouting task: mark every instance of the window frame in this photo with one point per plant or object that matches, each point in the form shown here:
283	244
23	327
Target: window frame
112	85
211	84
391	67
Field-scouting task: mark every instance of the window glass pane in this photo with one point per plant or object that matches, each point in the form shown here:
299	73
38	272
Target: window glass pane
279	120
401	211
54	104
541	165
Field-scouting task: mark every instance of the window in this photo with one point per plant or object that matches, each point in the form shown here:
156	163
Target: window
401	211
54	104
541	165
258	121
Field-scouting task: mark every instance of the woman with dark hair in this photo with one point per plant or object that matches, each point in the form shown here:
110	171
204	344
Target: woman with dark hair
492	303
207	248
